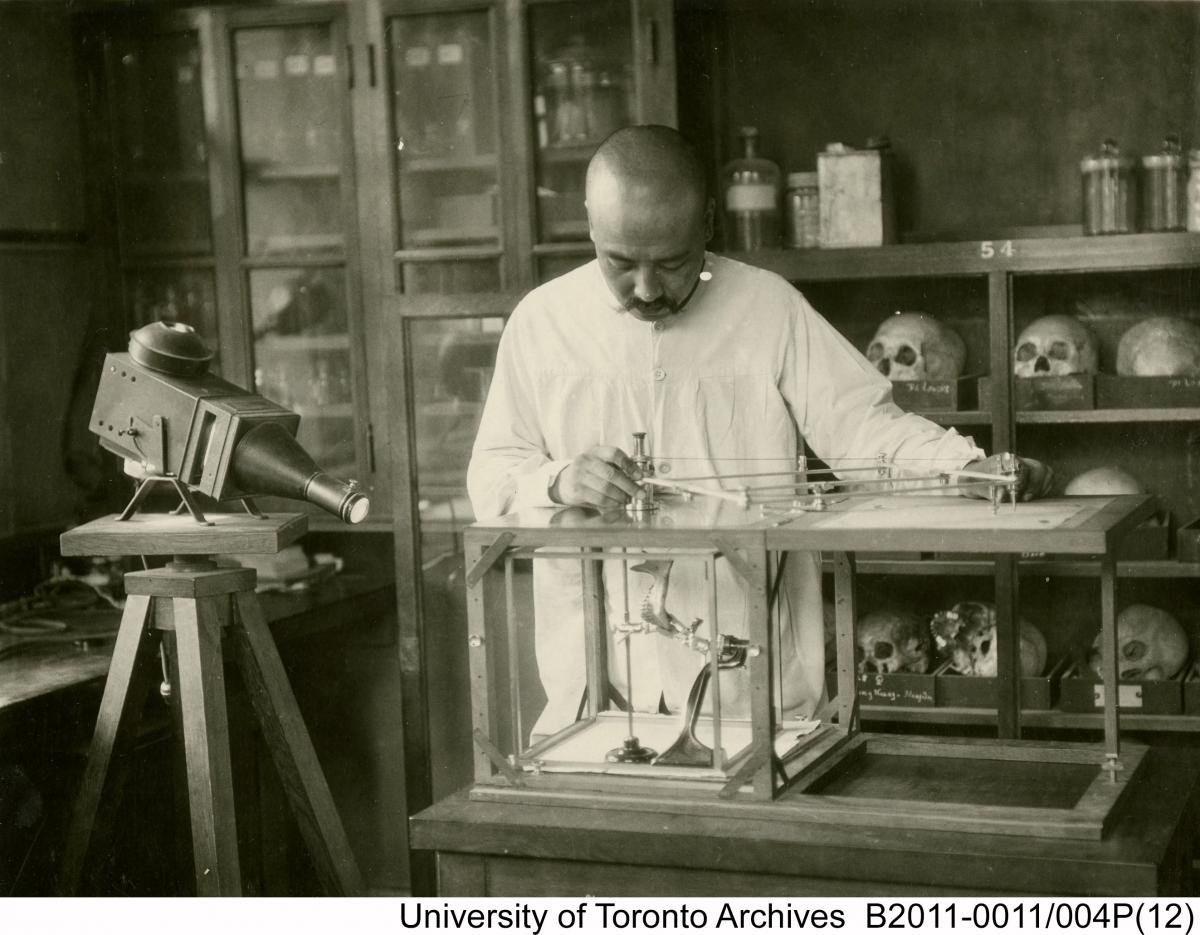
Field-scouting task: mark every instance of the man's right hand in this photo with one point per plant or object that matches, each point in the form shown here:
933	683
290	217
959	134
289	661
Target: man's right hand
603	477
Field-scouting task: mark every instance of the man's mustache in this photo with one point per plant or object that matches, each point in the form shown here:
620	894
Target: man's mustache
637	305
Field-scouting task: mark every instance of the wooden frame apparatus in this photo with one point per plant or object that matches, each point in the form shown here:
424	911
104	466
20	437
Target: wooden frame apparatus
824	767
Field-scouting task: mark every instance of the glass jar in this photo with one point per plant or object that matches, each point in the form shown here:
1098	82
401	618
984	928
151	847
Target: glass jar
1163	188
751	188
1109	191
1193	191
802	209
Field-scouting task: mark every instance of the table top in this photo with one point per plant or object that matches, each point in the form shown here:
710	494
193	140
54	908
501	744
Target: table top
910	523
41	669
1134	858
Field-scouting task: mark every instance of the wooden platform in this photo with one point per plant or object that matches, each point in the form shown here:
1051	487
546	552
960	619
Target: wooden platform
166	534
504	849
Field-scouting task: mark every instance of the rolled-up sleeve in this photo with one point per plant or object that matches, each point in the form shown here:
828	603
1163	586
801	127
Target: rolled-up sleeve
844	406
510	466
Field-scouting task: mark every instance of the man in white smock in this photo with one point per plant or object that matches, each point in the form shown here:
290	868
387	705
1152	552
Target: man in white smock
725	367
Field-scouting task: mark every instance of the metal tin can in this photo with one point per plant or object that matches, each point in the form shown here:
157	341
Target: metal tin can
1164	185
1109	191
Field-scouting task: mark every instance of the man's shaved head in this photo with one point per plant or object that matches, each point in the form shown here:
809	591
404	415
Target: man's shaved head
649	216
648	156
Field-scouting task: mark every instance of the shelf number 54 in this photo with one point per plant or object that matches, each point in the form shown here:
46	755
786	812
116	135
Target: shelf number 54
990	249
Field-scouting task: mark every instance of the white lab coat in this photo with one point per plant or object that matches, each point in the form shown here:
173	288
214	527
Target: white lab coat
731	384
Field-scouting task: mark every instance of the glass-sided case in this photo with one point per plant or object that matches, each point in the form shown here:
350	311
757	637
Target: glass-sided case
733	746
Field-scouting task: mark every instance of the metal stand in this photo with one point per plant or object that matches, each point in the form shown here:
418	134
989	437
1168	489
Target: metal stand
209	609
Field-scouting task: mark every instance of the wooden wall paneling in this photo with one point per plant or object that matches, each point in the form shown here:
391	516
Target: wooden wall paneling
989	106
41	162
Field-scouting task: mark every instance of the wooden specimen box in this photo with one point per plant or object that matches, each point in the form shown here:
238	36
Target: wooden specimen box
936	395
1074	391
1114	392
1038	692
743	753
1082	691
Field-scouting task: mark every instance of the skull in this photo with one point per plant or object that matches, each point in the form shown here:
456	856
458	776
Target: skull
965	636
892	641
912	346
1103	481
1160	347
1150	642
1054	346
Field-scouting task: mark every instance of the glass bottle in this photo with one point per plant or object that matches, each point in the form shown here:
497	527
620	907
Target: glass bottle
1109	191
802	214
1163	184
751	190
1193	191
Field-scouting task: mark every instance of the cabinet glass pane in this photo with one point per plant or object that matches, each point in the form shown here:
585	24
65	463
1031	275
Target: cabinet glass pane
444	113
302	357
550	267
187	295
452	370
583	90
451	276
290	124
160	145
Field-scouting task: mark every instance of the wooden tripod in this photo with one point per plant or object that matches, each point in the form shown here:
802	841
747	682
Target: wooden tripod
209	609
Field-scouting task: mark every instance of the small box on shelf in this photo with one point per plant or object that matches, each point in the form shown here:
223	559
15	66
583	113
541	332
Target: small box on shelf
936	395
897	689
1072	391
1083	691
1187	542
1191	689
1113	392
1038	692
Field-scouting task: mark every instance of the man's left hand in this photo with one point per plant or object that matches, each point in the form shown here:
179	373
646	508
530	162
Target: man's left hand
1034	479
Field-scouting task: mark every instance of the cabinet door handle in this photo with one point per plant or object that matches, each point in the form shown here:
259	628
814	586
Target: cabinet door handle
653	41
350	66
371	64
370	448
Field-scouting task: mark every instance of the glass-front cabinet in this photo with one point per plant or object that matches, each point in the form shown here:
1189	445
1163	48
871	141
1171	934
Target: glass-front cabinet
293	144
230	138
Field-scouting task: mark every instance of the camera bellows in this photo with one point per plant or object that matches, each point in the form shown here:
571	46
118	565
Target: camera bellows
269	461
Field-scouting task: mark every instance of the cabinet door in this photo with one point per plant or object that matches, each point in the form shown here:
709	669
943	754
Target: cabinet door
589	77
441	75
161	188
297	265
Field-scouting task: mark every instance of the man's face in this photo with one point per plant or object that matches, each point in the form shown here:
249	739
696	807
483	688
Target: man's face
650	245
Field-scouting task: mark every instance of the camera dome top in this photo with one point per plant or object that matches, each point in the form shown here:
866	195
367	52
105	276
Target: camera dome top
170	346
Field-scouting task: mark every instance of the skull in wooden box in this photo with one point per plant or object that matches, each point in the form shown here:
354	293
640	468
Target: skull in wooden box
1160	347
1151	645
965	636
913	346
1055	346
892	641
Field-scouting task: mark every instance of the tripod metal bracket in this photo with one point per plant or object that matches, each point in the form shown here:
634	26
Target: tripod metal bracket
489	557
492	752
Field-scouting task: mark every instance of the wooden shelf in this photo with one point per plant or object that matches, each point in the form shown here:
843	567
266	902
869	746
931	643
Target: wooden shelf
559	155
1092	416
302	343
448	163
1050	719
282	172
967	417
451	236
970	258
1069	568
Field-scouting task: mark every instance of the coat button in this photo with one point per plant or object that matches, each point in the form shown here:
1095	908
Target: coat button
664	467
658	326
660	374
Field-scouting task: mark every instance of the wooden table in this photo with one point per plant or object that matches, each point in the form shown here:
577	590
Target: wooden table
502	849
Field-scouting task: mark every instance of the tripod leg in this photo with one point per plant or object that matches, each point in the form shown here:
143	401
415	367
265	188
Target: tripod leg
130	675
206	746
292	750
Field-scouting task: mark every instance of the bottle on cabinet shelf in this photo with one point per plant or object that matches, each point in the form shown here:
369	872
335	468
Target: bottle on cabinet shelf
1109	191
1163	189
1193	191
751	191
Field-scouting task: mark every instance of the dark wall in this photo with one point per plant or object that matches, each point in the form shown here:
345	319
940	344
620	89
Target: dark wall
989	106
